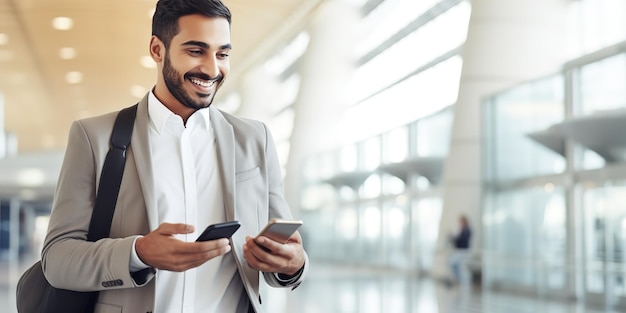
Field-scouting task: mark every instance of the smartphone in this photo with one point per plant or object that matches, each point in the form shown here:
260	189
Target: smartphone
280	230
217	231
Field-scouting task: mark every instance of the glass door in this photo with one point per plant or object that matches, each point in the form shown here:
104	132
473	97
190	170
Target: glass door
604	218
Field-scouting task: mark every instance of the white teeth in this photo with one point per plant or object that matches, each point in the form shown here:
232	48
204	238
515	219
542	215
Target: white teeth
201	83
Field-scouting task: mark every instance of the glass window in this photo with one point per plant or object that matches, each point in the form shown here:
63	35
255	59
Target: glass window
396	238
513	117
533	219
319	233
604	221
602	85
387	19
433	134
349	158
371	153
370	233
392	185
371	188
597	24
426	215
396	145
347	229
416	97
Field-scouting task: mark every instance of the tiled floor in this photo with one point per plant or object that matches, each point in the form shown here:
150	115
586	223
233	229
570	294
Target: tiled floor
340	289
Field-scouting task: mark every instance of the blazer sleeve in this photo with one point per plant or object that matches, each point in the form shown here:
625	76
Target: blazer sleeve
68	260
278	208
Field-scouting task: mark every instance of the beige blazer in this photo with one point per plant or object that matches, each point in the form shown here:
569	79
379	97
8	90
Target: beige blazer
253	193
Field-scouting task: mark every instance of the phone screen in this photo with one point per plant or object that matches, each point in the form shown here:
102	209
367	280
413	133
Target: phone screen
221	230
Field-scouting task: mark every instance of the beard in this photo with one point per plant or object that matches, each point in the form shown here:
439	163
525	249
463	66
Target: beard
175	85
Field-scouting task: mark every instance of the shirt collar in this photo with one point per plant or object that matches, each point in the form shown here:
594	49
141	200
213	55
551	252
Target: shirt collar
159	114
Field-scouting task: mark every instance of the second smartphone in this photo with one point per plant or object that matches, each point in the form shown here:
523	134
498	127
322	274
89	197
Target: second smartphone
217	231
280	230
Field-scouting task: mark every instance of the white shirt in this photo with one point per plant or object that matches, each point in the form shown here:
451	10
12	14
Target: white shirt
186	171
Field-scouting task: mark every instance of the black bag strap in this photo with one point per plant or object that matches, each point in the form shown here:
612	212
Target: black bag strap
111	176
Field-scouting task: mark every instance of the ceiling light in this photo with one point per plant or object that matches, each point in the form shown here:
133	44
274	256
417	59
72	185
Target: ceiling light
62	23
4	39
31	177
147	62
74	77
67	53
138	91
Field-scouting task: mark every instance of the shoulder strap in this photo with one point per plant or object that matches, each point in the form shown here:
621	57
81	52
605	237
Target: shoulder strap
111	177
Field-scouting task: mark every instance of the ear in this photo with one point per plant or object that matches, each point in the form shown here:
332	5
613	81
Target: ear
157	49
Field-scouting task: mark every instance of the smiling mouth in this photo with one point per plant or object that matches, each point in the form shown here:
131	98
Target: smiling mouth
202	83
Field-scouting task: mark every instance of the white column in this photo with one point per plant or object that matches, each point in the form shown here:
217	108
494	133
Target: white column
256	90
508	42
325	68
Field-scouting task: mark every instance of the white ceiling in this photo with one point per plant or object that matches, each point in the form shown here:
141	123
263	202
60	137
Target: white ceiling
110	37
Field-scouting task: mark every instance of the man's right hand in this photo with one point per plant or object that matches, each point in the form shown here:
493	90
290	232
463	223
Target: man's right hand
161	250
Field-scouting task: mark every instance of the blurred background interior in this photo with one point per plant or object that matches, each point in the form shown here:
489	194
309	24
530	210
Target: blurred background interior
392	118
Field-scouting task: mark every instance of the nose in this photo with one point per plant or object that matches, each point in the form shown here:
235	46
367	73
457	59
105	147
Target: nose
211	66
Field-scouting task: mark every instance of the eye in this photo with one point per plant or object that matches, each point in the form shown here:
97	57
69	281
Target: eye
223	55
195	52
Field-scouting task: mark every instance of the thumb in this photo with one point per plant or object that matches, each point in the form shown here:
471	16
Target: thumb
173	229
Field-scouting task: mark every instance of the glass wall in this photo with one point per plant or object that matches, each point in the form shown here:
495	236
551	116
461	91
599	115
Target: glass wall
377	197
383	208
555	161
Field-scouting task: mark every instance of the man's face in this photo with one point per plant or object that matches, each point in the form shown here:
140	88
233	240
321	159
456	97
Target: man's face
196	61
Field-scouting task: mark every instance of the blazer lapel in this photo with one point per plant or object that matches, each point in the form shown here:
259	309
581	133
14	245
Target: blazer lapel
225	145
140	145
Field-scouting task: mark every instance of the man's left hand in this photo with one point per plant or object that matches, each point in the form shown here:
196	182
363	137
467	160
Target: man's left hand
267	255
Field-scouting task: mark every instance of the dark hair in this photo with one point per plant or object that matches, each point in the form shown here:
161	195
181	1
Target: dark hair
165	19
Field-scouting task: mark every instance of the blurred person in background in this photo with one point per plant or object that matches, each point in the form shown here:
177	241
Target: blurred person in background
460	242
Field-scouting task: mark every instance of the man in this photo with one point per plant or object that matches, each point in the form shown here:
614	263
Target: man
188	166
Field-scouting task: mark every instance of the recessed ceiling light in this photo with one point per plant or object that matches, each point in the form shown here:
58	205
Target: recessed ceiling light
62	23
4	39
74	77
67	53
147	62
138	91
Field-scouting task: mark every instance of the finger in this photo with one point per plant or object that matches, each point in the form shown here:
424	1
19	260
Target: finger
206	246
173	229
251	257
194	256
267	244
265	257
295	237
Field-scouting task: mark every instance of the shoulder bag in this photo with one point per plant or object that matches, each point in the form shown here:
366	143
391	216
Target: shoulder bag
34	293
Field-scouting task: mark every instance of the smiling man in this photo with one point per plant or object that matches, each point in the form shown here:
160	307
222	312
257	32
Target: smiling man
189	165
192	70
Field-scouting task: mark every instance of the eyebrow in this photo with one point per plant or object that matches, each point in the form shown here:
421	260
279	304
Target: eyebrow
205	45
